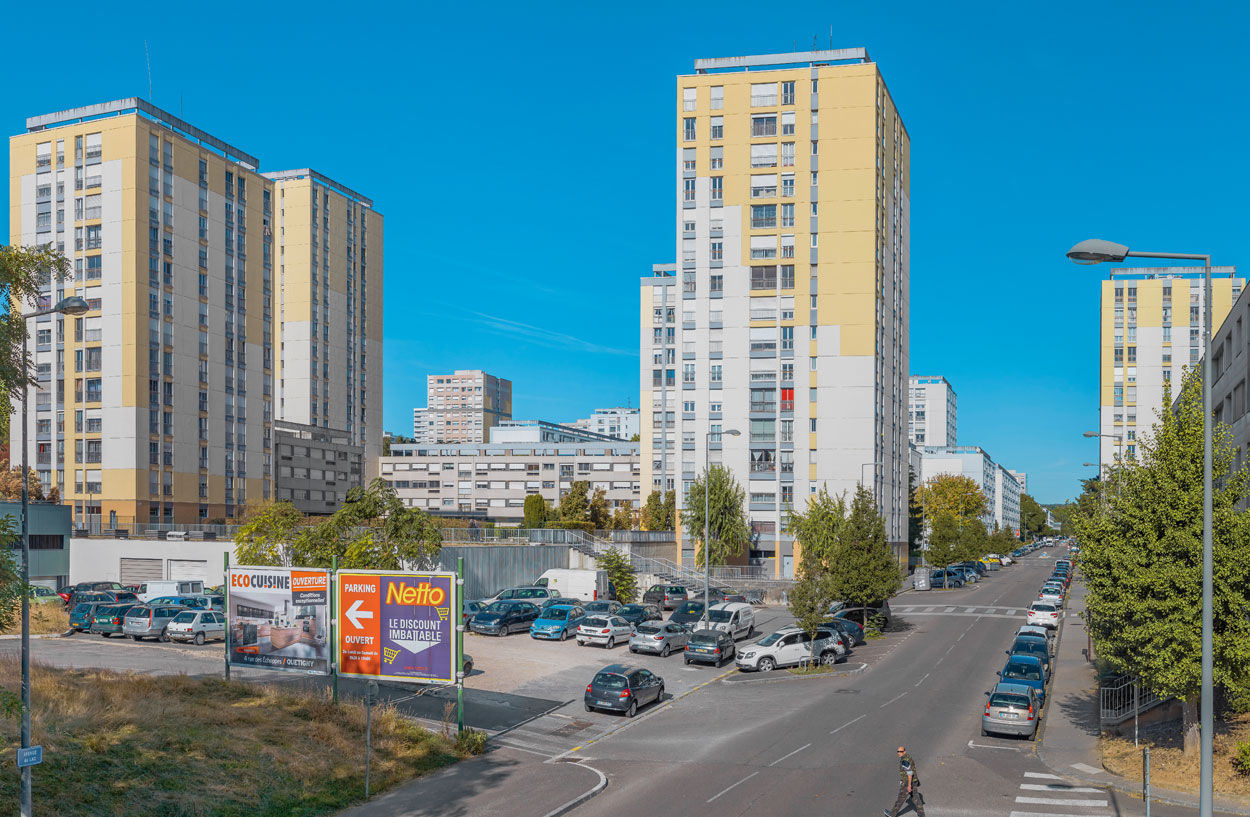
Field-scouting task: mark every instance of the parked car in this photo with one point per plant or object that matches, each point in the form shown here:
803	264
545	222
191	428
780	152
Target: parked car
946	578
108	618
535	594
148	591
659	637
471	609
466	664
850	630
1029	670
687	614
197	602
735	617
504	617
557	621
979	568
80	614
710	647
43	595
111	596
556	600
197	626
864	614
1050	595
789	647
636	614
67	592
622	688
605	630
1040	632
148	621
667	596
1012	709
603	607
1043	614
1032	645
969	575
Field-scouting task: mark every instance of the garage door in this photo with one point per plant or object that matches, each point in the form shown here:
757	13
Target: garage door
184	569
137	571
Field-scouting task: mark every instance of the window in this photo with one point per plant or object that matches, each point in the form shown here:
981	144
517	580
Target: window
688	157
787	154
787	93
763	216
688	189
688	123
687	373
718	97
717	158
763	125
787	214
764	155
689	98
787	185
763	186
718	188
718	127
787	123
763	93
718	252
787	276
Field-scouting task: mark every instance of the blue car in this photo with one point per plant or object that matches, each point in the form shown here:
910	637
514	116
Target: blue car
1028	670
946	578
970	576
557	621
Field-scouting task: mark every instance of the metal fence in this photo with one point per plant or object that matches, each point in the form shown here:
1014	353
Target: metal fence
489	570
1119	698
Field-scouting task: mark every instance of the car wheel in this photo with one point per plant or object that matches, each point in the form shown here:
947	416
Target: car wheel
767	665
984	734
165	635
502	632
589	708
751	631
829	658
687	662
611	642
199	639
664	651
106	635
564	635
135	637
633	709
660	695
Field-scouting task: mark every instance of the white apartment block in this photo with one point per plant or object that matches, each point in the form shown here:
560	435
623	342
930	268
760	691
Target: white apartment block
1021	478
465	405
423	426
492	480
791	180
1007	492
619	422
931	411
1002	492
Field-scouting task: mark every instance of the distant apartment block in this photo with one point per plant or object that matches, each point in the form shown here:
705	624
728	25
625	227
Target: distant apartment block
317	466
1230	374
541	431
222	300
464	406
931	411
621	423
1002	492
423	426
1151	331
1021	478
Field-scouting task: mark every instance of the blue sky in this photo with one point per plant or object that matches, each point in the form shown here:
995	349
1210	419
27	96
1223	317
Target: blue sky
522	156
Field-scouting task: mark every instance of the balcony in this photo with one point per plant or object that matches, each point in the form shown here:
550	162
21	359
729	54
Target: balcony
764	100
764	128
763	223
787	405
768	406
763	468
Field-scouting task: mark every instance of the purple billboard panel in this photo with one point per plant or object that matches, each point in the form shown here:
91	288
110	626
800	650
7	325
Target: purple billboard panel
418	627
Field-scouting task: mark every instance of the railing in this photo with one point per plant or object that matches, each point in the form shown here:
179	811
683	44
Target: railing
1119	698
763	100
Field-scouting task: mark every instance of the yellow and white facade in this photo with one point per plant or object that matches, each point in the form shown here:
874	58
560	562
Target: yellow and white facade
786	314
158	404
1151	332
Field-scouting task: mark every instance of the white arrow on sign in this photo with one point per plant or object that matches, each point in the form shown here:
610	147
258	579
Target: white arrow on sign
415	647
355	614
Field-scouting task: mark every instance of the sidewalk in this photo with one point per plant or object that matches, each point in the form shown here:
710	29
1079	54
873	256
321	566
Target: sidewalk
1069	740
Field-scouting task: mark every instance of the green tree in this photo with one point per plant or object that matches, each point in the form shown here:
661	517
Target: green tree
817	531
600	510
616	564
944	541
623	517
575	504
867	568
635	439
1141	556
915	513
268	534
659	511
23	273
952	494
810	599
728	528
10	574
974	540
535	511
1032	517
11	483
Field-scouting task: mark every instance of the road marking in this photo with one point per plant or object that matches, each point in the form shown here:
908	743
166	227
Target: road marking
1042	814
973	610
1053	801
921	681
972	745
1059	787
892	700
848	723
734	786
783	757
961	635
1081	767
929	609
1012	611
1042	776
948	650
939	661
584	796
950	609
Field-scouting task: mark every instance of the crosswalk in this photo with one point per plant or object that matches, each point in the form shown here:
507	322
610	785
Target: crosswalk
553	734
1050	795
959	610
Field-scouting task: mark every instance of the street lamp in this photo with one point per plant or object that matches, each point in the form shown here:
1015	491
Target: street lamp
72	305
707	503
1096	251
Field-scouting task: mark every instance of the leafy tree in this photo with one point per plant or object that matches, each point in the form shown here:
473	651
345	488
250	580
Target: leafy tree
1063	515
10	574
817	532
659	511
6	408
944	541
728	528
810	599
867	568
974	540
915	513
635	439
535	511
23	272
616	564
953	494
268	534
1141	555
600	510
54	494
11	483
575	505
1032	517
623	517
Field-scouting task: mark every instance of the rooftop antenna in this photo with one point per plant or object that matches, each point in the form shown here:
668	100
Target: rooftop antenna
831	36
148	56
815	42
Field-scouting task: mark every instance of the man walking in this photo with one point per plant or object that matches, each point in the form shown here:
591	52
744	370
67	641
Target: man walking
908	786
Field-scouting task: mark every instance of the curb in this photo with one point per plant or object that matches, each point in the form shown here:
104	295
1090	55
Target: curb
783	675
584	796
33	636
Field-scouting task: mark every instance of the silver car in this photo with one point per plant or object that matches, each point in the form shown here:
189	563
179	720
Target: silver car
659	637
149	621
197	626
1012	709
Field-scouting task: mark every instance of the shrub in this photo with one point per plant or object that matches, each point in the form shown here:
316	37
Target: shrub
1241	760
471	741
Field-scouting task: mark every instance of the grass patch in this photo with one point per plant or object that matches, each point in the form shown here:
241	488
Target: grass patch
45	619
873	635
125	744
1170	768
816	669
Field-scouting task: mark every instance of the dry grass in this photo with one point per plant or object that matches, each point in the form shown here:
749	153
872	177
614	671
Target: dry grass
1170	768
126	744
45	619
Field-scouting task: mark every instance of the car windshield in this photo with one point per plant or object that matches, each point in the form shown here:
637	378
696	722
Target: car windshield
137	612
648	629
82	608
770	639
1043	608
656	588
1005	699
531	594
556	613
719	616
610	680
631	609
499	607
598	607
691	608
1022	672
185	617
1032	647
595	622
704	637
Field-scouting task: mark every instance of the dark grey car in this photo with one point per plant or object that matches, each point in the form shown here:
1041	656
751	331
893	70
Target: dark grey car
621	688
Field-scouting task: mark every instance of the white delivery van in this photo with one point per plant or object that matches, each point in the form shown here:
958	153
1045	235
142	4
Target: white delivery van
156	589
587	585
733	617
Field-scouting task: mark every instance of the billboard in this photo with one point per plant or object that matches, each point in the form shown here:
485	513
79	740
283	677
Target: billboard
278	618
398	626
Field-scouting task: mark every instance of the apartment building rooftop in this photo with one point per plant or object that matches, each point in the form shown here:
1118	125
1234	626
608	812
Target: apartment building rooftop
1162	273
792	59
309	173
135	105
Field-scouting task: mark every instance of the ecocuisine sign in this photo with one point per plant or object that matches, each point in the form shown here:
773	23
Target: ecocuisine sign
279	619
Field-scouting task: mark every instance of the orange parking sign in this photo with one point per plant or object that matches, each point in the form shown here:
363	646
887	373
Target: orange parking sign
360	639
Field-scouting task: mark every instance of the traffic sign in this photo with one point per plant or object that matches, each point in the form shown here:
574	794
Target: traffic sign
398	626
29	756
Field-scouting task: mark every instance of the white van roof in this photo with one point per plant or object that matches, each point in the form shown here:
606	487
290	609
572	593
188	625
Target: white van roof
730	605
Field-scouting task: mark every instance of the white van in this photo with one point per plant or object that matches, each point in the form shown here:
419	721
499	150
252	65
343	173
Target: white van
734	617
587	585
156	589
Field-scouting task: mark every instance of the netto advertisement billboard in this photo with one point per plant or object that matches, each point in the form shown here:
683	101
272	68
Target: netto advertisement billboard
398	626
279	619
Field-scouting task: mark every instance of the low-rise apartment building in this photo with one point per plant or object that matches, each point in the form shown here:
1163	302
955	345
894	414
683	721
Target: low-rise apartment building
1002	492
316	466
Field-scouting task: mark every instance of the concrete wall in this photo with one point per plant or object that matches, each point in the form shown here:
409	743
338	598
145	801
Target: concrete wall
491	568
100	559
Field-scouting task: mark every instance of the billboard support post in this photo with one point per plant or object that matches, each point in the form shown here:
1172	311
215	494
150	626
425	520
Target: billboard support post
334	630
460	644
373	691
225	557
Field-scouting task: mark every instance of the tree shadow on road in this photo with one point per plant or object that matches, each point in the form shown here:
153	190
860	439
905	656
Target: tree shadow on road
1081	710
449	793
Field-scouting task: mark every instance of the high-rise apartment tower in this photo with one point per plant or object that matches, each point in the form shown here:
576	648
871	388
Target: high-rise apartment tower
931	411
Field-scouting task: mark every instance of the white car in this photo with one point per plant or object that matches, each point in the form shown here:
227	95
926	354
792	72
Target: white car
789	647
1051	596
605	630
1044	614
1004	558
